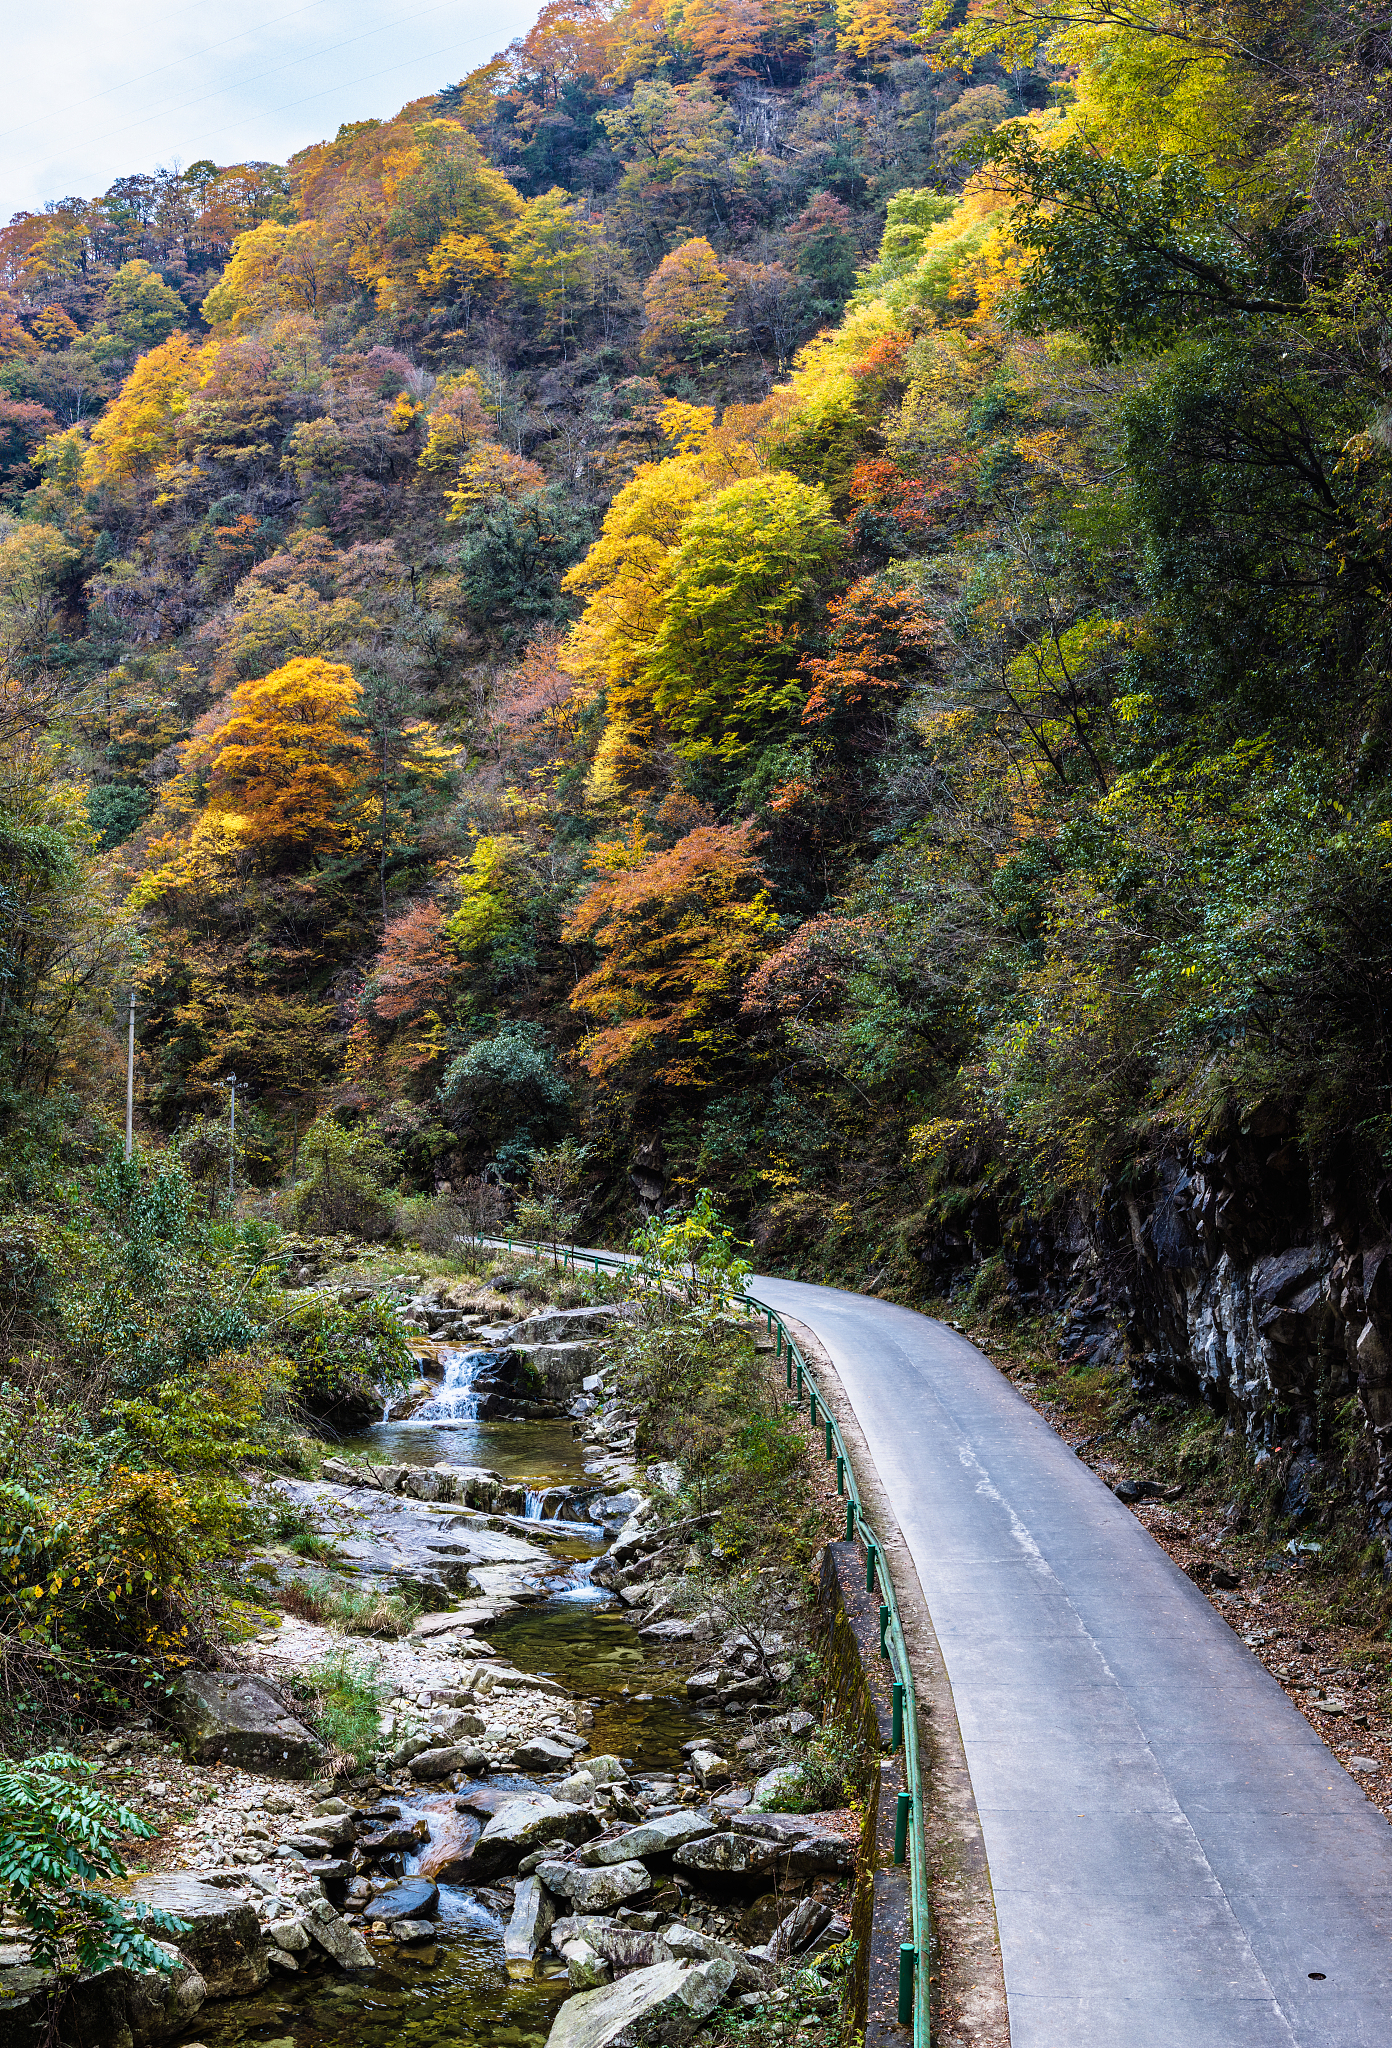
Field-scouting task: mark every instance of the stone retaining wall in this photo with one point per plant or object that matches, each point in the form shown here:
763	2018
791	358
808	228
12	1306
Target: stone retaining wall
860	1696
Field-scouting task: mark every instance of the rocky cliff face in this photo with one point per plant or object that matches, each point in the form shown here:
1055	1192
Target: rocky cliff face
1230	1279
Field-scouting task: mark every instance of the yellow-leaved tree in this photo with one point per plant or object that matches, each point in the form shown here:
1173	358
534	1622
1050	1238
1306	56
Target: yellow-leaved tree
140	428
686	305
286	763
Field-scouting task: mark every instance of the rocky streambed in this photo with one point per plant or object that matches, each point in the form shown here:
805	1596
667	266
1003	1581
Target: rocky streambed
567	1836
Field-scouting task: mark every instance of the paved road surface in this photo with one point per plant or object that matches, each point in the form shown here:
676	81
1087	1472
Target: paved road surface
1174	1852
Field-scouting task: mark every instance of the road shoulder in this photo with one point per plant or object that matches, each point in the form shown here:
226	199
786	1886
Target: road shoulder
969	2008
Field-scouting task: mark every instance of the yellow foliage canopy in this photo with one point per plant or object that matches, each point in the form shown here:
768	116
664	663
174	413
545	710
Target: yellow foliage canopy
286	762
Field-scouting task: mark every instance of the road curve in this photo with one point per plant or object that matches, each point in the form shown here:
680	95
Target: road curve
1177	1859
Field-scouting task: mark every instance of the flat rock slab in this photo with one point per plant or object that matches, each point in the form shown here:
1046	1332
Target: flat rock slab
428	1551
413	1899
240	1721
665	2004
652	1838
223	1942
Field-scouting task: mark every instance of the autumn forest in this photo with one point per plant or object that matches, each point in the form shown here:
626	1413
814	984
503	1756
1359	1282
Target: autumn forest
795	596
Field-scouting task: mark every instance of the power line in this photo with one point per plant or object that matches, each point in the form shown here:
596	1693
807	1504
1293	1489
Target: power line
368	78
240	85
142	77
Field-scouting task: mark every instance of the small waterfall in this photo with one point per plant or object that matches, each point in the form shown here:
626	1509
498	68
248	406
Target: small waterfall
456	1400
535	1502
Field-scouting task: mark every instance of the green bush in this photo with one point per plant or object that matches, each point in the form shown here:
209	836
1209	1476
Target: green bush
343	1173
343	1354
57	1842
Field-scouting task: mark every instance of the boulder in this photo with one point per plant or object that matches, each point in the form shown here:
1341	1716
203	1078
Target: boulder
446	1860
814	1855
584	1968
727	1855
288	1934
779	1785
533	1915
412	1899
307	1845
161	2003
709	1769
443	1763
524	1824
407	1931
607	1770
223	1942
666	2004
650	1840
567	1325
336	1937
229	1720
625	1948
688	1944
800	1928
798	1726
456	1722
595	1891
578	1787
542	1753
396	1837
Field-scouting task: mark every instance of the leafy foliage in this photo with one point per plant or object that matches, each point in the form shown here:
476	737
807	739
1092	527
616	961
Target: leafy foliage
58	1838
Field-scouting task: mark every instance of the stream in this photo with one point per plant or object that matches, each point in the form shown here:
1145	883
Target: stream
454	1992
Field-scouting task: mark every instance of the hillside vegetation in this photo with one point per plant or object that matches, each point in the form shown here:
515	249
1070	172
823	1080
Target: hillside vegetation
795	597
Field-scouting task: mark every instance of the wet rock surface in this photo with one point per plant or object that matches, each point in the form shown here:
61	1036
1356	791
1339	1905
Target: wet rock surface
486	1817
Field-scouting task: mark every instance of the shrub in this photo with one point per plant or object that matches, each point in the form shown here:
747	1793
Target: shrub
57	1841
343	1355
341	1188
356	1612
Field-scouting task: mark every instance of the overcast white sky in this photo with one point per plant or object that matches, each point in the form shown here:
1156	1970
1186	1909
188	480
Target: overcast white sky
95	91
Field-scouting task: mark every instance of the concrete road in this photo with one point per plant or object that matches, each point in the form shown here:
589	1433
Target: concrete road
1177	1860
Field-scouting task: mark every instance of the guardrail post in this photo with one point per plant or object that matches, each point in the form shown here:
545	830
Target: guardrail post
870	1554
903	1814
884	1624
841	1476
790	1371
799	1374
830	1445
850	1521
908	1957
814	1407
897	1736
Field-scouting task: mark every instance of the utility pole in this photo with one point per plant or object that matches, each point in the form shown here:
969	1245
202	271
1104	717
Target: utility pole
232	1141
130	1077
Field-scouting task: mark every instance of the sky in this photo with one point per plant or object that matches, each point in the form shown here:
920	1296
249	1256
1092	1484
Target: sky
97	91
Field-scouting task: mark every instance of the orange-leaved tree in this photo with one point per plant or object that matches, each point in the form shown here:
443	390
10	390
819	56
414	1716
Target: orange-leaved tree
880	632
678	935
286	763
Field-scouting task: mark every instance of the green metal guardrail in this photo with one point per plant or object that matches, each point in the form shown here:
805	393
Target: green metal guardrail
909	1829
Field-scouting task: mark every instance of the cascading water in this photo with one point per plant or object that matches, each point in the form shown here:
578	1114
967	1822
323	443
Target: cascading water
535	1502
456	1400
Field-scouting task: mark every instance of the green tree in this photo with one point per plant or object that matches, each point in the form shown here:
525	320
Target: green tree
140	309
747	572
